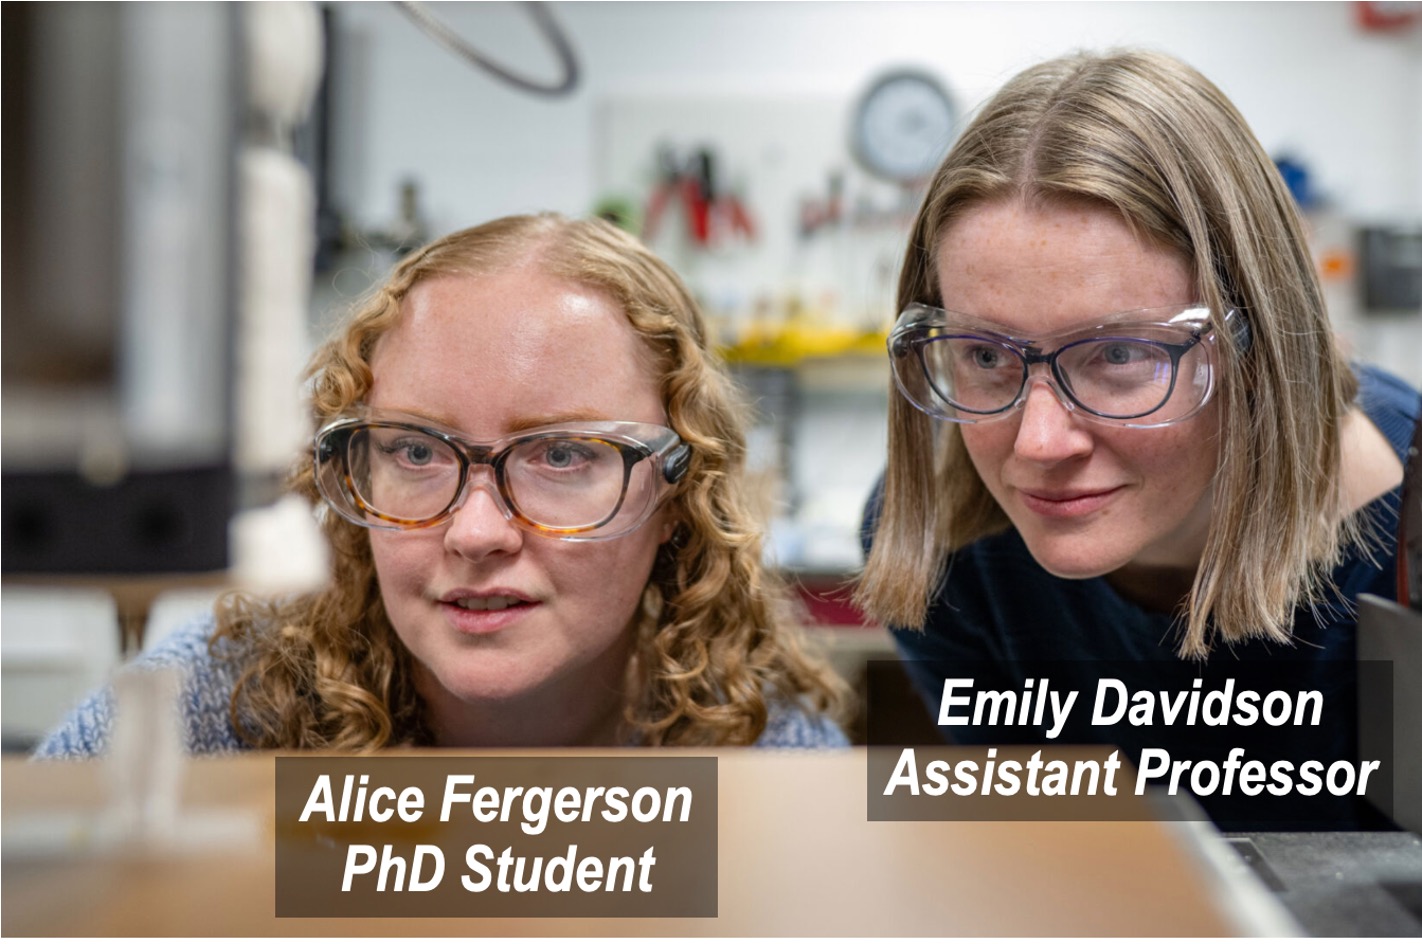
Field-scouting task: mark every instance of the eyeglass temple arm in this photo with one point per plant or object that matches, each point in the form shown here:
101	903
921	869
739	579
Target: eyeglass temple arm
675	464
1243	335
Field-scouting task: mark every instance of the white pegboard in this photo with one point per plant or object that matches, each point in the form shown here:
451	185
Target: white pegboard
774	153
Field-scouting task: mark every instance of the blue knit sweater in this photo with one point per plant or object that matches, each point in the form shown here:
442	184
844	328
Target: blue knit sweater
208	681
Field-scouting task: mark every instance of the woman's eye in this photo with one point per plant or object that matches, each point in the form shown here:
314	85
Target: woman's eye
565	455
1119	354
411	452
988	358
1134	354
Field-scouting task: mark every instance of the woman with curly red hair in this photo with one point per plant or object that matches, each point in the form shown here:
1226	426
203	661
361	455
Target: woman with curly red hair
529	468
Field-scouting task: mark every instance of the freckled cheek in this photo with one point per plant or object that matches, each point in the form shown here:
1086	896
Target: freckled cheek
401	560
1189	452
1173	463
605	577
606	580
988	446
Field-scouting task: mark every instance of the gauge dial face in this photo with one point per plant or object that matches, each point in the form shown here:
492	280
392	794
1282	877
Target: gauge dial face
903	126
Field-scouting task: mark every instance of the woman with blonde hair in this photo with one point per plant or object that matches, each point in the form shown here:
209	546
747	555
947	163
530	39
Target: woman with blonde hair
529	470
1123	431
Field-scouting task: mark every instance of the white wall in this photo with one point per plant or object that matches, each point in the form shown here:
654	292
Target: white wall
1347	102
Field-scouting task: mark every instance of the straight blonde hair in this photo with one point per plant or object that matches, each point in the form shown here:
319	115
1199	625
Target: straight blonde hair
1151	138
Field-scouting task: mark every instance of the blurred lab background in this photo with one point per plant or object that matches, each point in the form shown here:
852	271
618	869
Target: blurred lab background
193	192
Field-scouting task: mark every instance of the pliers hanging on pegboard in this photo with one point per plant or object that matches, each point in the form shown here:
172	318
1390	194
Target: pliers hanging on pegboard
674	182
702	204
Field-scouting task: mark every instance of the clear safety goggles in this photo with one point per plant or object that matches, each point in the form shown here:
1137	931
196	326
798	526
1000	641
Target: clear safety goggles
584	481
1145	368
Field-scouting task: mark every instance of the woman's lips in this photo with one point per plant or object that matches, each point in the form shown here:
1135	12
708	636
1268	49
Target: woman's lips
479	620
1066	504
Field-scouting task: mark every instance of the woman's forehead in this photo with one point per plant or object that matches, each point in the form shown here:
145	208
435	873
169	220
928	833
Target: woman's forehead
1054	267
514	315
494	350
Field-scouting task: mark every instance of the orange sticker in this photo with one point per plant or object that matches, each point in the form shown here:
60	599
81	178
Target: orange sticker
1335	265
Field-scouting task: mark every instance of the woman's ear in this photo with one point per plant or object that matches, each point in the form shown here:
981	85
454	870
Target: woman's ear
674	534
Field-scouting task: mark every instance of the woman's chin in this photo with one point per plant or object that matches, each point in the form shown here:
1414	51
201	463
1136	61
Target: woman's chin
1075	563
483	688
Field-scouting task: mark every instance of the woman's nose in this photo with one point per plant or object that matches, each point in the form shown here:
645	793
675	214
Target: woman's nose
1048	430
482	524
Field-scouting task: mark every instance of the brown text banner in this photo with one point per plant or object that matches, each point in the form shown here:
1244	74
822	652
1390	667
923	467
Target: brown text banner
611	836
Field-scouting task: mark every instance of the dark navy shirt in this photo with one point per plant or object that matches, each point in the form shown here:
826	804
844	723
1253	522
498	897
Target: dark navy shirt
1000	616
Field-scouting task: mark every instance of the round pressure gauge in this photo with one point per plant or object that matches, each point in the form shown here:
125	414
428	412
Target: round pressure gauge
902	125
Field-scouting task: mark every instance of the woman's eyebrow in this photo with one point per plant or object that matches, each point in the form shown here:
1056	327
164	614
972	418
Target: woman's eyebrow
428	419
1104	320
561	418
985	324
440	419
518	425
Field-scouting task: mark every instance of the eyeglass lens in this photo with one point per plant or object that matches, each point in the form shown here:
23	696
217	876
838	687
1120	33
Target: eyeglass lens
557	481
1114	377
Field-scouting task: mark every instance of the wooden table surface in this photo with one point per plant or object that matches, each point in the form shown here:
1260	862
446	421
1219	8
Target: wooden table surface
797	856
